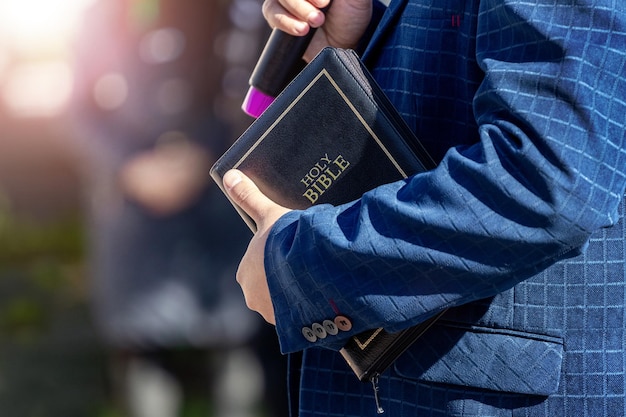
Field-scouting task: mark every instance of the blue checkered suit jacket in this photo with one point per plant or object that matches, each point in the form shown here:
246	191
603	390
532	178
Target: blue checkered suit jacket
518	229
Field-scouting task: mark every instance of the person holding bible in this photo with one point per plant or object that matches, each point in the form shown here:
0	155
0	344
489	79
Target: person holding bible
518	231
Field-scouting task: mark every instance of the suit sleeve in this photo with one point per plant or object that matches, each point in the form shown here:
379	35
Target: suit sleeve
549	170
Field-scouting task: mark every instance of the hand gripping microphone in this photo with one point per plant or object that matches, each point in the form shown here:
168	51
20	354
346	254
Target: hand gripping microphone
280	61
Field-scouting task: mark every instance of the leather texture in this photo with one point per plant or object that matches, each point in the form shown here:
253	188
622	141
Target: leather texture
369	354
333	108
519	228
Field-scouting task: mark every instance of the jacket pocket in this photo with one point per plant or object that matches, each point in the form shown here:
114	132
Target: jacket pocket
481	357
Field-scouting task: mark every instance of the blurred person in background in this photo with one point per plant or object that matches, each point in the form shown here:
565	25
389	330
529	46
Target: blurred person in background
164	241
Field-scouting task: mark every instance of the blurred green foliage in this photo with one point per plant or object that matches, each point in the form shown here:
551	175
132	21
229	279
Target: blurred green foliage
22	240
51	362
41	272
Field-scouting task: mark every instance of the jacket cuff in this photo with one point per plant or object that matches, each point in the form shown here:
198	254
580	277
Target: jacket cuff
294	308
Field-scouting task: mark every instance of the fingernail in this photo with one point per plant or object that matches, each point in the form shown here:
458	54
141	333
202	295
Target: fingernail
231	178
301	27
315	18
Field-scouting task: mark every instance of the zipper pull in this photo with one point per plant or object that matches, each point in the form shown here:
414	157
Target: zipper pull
379	409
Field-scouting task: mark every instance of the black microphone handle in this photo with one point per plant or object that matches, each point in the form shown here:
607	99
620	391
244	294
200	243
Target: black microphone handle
280	61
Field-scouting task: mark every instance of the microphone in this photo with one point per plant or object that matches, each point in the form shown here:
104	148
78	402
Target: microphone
280	61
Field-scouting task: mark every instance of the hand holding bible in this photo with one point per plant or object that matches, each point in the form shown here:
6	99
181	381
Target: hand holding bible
251	272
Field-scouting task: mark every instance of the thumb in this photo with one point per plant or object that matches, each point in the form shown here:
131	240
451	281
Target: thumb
246	195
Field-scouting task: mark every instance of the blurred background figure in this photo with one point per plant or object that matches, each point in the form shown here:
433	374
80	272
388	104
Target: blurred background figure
117	252
152	104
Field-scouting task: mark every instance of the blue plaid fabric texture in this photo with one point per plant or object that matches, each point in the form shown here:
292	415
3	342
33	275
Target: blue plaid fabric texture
519	230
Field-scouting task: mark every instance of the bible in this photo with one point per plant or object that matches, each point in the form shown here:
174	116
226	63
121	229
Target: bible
330	136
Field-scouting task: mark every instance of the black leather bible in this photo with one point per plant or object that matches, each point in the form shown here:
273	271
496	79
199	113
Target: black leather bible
330	136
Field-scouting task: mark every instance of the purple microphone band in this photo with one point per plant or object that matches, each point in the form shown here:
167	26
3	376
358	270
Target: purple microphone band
280	61
256	102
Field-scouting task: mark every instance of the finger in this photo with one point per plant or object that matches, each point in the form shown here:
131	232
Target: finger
246	194
292	16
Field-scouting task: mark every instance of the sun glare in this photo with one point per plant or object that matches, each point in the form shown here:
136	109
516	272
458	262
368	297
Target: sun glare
27	25
35	38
